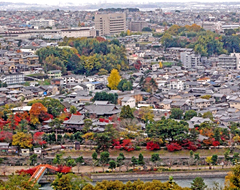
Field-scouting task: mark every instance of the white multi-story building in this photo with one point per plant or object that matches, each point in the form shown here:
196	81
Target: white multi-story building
227	61
14	78
190	60
41	23
79	32
175	84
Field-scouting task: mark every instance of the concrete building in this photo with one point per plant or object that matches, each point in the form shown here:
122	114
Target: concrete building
190	60
79	32
112	23
227	61
212	26
41	23
237	55
14	78
137	25
128	101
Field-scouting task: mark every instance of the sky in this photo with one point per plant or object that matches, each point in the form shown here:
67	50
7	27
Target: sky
77	2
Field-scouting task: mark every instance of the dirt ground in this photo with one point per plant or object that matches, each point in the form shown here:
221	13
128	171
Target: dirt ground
8	170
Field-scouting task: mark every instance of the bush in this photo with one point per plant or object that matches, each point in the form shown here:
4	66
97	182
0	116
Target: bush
137	148
152	146
173	147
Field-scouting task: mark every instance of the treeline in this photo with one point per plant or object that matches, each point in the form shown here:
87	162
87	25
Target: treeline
205	43
85	56
119	9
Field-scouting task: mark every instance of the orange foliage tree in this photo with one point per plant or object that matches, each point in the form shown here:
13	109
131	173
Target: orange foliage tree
35	111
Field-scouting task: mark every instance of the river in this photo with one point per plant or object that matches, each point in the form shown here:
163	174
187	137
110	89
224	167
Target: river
181	182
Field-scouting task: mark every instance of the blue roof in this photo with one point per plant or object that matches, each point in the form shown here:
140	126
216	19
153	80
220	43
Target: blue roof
95	82
211	82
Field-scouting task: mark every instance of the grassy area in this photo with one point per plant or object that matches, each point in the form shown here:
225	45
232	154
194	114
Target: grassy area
45	82
146	153
167	64
36	75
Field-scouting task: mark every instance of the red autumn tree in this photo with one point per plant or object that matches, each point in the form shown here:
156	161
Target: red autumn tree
100	39
153	146
215	143
173	147
5	136
37	138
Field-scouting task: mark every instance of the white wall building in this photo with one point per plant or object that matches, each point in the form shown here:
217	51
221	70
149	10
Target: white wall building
128	101
79	32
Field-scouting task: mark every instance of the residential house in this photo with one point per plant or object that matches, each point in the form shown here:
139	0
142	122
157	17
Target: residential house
130	101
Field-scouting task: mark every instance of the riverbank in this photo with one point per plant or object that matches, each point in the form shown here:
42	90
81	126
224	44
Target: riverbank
148	176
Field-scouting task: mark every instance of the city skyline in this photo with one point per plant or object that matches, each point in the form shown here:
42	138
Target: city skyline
75	2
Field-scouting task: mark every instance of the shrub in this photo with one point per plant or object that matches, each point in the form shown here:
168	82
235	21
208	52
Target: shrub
137	148
215	143
152	146
173	147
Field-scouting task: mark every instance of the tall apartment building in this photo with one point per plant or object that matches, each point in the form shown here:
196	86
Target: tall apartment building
190	60
14	78
111	23
227	61
137	25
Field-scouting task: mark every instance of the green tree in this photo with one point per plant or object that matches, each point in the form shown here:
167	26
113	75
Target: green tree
104	159
168	129
18	182
125	85
141	159
198	184
79	161
194	133
33	159
190	114
58	160
226	155
94	156
68	182
235	157
87	125
112	165
70	162
134	161
176	113
105	140
155	158
147	29
214	159
126	112
114	79
73	109
103	96
120	160
208	114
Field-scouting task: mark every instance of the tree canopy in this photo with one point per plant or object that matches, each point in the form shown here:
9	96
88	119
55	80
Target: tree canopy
85	56
168	129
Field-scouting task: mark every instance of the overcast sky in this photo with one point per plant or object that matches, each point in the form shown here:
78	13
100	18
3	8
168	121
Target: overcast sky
57	2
